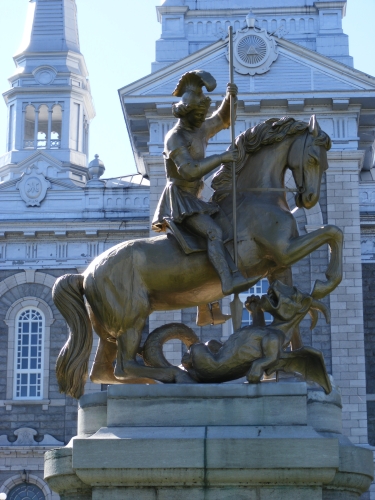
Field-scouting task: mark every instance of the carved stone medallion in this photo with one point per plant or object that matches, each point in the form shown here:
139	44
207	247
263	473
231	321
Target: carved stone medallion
45	75
254	51
33	187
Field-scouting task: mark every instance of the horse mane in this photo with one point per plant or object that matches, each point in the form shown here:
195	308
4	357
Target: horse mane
252	140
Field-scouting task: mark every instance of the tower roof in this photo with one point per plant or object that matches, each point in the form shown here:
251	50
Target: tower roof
51	26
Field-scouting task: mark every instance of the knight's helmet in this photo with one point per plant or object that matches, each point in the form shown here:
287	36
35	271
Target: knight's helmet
189	88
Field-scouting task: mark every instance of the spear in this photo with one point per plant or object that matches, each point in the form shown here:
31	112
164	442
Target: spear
236	305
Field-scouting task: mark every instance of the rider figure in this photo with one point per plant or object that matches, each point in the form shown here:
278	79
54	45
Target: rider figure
186	165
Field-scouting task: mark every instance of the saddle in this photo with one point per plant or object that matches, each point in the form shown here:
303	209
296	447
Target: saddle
192	243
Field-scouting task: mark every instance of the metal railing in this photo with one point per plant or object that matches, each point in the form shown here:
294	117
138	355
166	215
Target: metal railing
42	144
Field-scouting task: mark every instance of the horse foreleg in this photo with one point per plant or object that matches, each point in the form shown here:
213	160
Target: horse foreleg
271	348
302	246
286	277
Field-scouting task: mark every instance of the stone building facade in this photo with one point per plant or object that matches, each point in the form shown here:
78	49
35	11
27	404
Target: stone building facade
57	214
304	68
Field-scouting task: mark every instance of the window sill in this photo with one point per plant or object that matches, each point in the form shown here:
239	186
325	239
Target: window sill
24	402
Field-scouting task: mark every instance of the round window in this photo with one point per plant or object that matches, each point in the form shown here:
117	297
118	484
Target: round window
26	491
252	50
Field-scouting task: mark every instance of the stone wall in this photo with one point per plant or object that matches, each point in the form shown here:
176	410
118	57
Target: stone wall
55	414
368	273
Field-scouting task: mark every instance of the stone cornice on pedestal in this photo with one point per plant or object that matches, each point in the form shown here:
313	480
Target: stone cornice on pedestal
210	440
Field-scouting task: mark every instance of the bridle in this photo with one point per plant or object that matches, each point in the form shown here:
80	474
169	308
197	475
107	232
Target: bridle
300	186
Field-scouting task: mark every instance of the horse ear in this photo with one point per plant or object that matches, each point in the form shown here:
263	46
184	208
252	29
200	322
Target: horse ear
313	126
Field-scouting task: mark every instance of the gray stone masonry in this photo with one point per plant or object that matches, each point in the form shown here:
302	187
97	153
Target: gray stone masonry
56	415
347	331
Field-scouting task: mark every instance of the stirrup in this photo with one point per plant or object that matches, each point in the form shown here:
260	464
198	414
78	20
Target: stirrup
218	317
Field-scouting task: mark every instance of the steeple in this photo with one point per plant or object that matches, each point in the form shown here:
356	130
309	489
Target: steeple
49	104
51	26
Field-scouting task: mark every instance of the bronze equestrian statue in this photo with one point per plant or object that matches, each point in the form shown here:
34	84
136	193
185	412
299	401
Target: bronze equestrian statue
125	284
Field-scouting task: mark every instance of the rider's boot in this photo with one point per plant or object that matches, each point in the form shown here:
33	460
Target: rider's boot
232	280
204	315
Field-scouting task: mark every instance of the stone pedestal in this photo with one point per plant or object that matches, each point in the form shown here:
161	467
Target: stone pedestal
272	441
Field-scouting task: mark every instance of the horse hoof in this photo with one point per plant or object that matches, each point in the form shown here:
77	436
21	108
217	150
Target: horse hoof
102	373
253	379
182	377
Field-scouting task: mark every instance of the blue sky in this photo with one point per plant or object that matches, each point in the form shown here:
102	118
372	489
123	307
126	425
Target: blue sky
118	41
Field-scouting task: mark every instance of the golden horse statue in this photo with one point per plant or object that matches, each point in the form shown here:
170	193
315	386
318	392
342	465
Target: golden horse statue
125	284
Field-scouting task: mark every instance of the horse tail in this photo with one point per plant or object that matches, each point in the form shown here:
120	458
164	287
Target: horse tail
152	351
72	362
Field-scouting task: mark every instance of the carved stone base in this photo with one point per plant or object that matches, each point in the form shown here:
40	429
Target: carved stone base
273	441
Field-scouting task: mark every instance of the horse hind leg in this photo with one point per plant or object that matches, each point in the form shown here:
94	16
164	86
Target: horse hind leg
102	371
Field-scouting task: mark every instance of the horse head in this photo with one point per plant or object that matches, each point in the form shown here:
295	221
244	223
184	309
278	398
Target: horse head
287	304
307	159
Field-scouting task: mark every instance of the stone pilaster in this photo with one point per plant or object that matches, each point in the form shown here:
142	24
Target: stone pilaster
347	330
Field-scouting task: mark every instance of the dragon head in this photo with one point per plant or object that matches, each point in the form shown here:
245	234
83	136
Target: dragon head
285	302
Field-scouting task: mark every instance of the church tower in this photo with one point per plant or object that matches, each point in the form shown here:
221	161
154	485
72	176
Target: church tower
49	104
57	215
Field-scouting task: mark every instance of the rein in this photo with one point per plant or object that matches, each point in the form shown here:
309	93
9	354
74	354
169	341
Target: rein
300	189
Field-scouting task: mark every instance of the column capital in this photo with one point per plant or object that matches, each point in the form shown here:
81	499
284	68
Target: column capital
348	160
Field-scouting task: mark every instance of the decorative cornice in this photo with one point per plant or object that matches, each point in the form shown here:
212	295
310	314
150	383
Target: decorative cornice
337	158
170	10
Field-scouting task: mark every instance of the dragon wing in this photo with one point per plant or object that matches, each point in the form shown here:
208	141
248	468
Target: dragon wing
307	361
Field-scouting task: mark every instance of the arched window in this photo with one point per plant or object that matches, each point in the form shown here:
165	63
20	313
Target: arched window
28	379
26	491
56	127
302	25
292	26
42	127
29	131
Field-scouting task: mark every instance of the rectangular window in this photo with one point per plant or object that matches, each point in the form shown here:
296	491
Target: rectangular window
259	289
